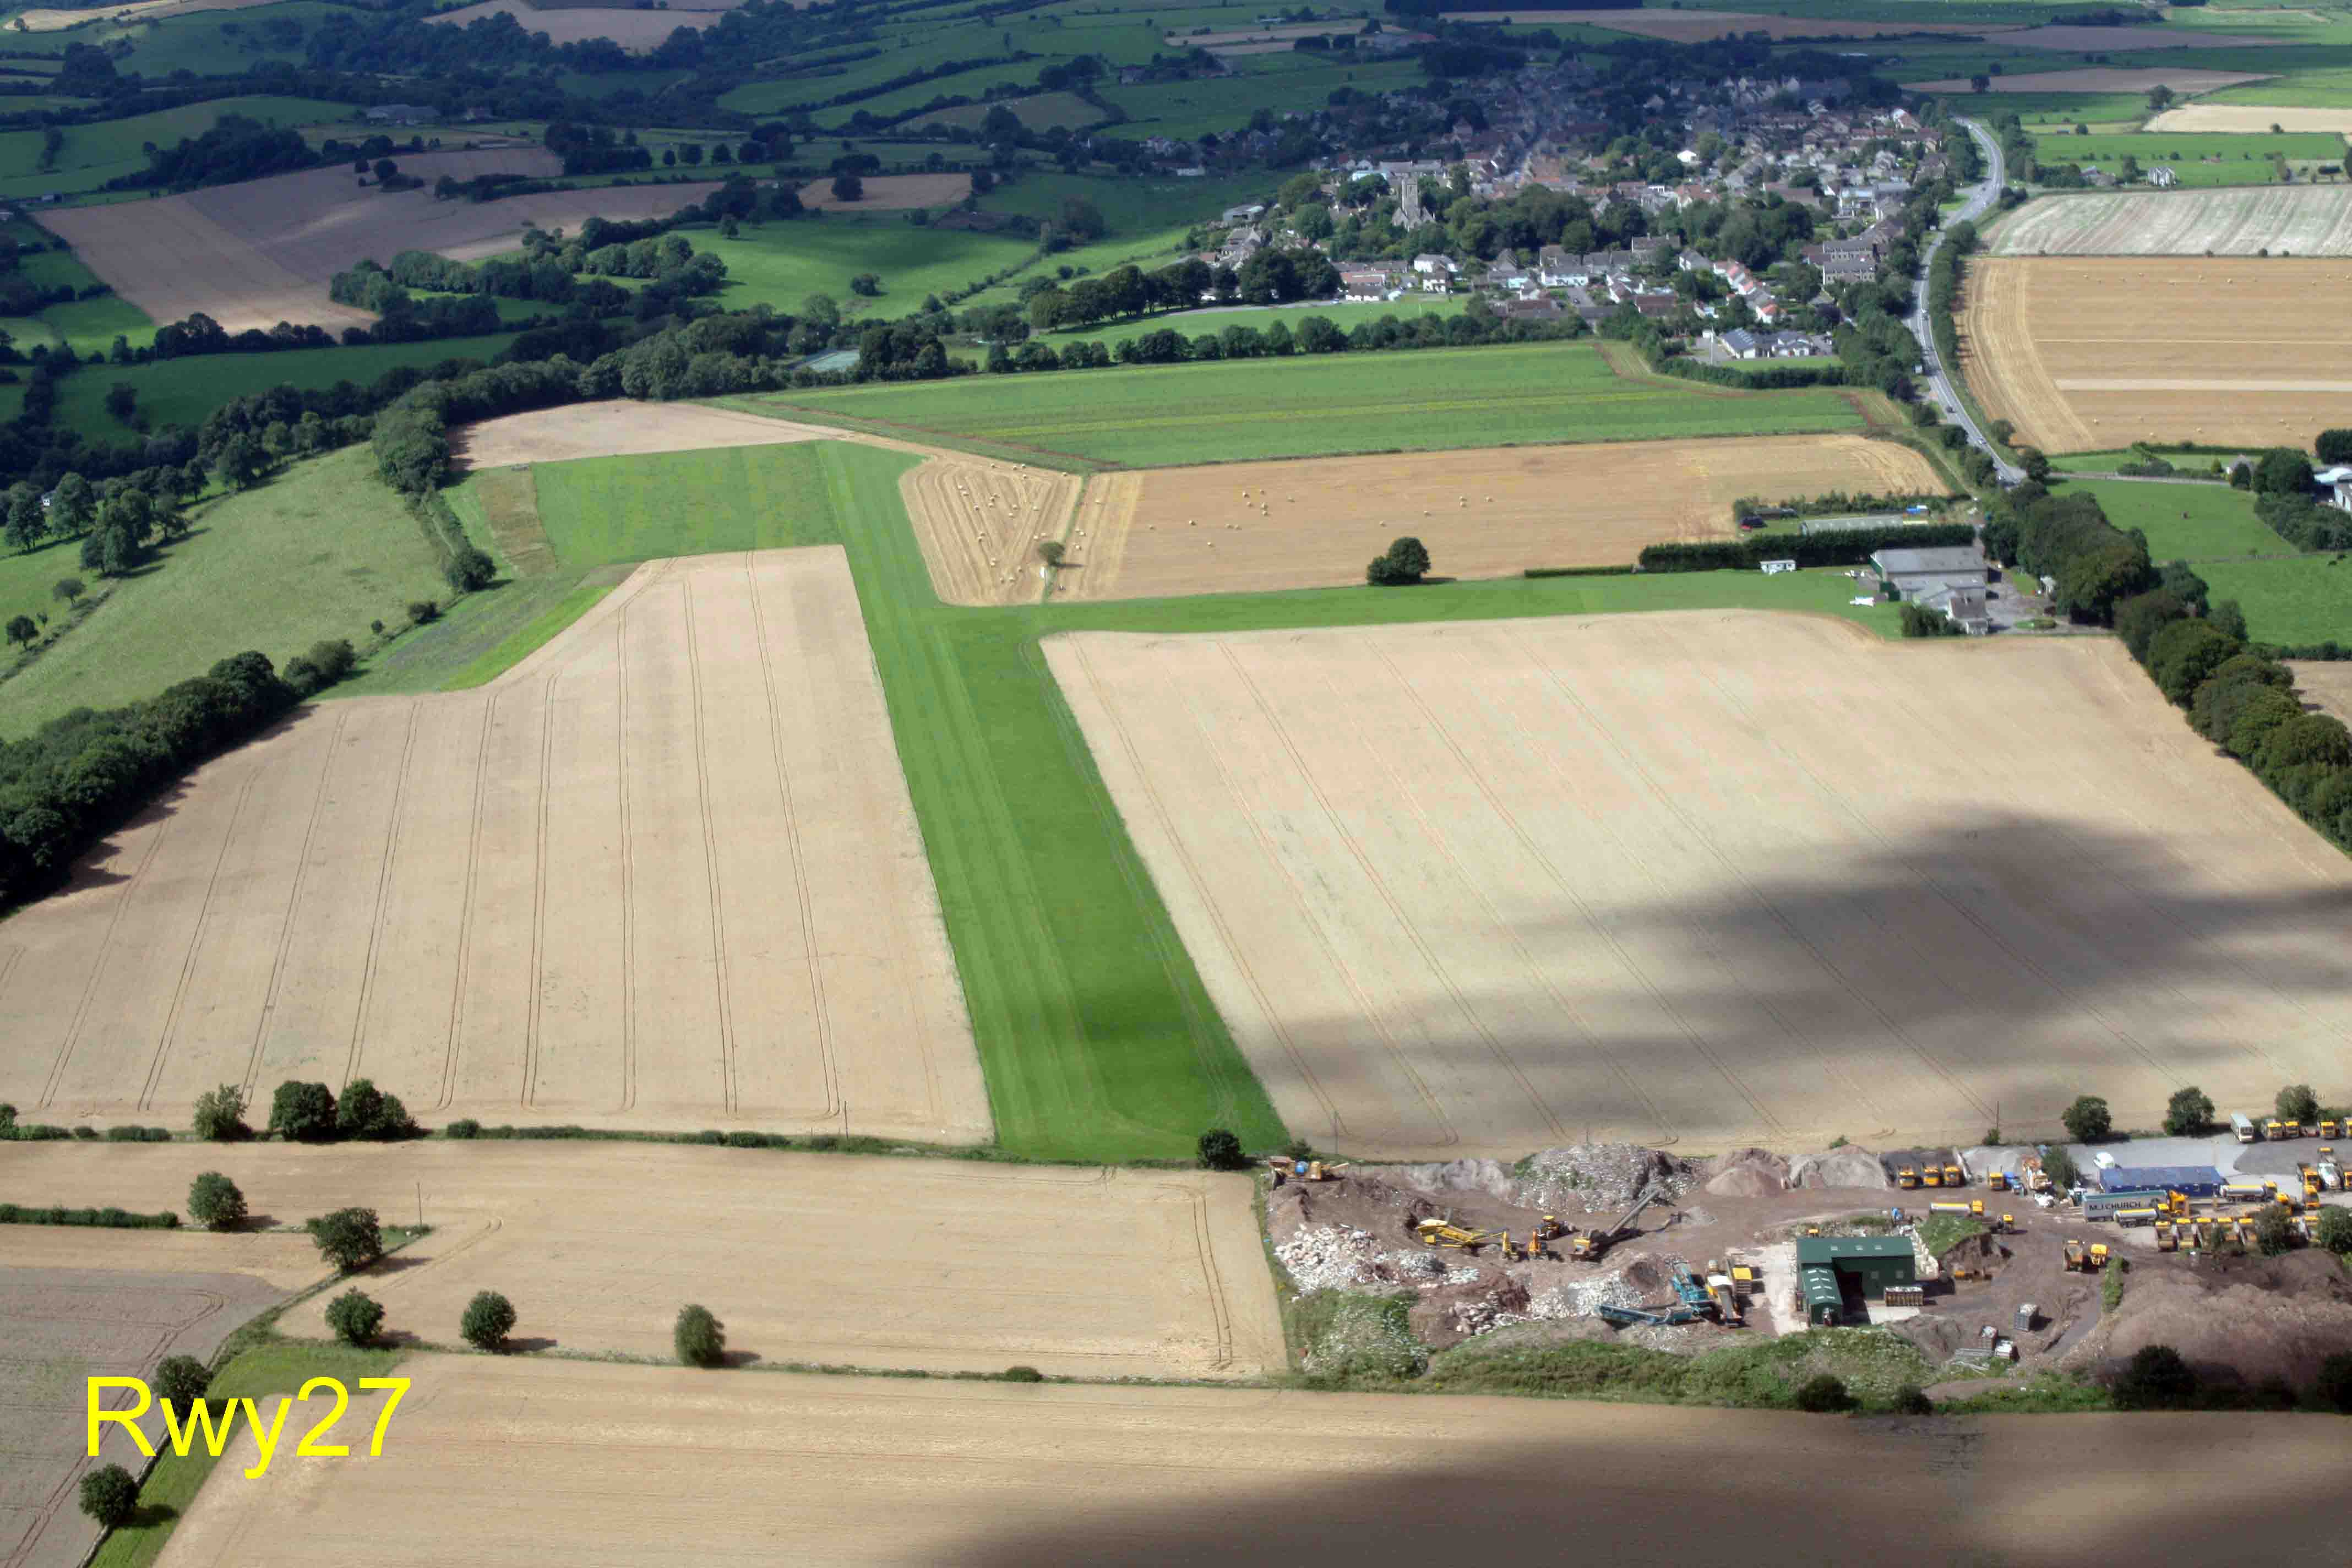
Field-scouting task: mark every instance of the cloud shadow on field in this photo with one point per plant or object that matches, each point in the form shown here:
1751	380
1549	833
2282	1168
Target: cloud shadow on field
2029	959
1789	1488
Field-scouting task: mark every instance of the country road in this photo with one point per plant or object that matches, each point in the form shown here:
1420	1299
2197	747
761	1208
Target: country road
1980	199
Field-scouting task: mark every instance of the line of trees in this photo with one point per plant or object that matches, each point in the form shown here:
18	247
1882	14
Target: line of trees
2068	539
1312	335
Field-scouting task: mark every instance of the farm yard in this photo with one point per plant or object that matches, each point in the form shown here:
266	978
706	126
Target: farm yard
1252	527
863	1470
259	253
1472	890
2068	350
573	896
2283	220
1083	1272
1328	405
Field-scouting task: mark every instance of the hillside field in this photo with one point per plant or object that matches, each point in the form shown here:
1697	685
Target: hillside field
2197	523
317	552
2217	159
1324	405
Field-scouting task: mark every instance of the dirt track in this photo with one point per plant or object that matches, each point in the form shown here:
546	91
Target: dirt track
647	1466
831	1258
2061	347
1710	880
259	253
1245	527
663	872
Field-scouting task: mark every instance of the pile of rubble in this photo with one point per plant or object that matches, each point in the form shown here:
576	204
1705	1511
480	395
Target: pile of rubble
1596	1175
1342	1257
1842	1167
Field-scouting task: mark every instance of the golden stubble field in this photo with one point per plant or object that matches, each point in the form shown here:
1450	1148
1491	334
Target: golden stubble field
1711	879
664	872
1248	527
945	1265
2085	354
487	1461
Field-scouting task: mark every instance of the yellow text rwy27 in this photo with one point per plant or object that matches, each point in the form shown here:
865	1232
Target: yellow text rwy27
207	1425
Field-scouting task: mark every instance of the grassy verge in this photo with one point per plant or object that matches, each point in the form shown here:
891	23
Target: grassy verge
1753	1372
1939	1233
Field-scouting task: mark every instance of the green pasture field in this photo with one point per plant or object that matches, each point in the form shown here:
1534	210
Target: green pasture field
2329	89
1227	411
1131	207
2196	523
2302	599
219	43
1193	323
781	263
964	84
2092	107
1185	109
1037	113
25	581
183	390
97	153
2198	158
318	552
1096	1035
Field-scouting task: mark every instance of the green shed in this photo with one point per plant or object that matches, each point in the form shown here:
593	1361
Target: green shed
1866	1264
1824	1302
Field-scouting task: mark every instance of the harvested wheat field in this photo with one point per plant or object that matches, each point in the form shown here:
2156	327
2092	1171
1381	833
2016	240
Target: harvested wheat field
621	428
663	1465
663	872
2102	78
947	1265
891	192
1689	26
2291	221
62	1323
1247	527
639	32
262	252
2062	347
1711	880
2250	117
2325	686
53	21
979	522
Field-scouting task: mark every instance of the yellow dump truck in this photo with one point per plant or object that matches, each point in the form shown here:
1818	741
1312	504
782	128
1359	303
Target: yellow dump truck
1906	1177
2165	1239
1953	1175
2078	1257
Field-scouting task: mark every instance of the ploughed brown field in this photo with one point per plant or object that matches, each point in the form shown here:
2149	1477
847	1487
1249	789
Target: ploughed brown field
487	1461
943	1265
262	252
663	872
1245	527
2088	353
104	1303
1711	879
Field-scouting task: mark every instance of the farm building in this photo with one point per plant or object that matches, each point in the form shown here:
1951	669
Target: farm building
1914	574
2196	1180
2337	482
1832	1269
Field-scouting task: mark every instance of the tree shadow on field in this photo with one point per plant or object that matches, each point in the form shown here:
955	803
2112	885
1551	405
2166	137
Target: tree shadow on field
1975	972
523	1344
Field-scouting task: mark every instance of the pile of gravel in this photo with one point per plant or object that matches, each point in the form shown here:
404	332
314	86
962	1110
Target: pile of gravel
1747	1173
1846	1167
1597	1175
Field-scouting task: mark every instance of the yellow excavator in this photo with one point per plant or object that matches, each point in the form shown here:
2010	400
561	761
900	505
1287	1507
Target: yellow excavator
1445	1233
1595	1243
